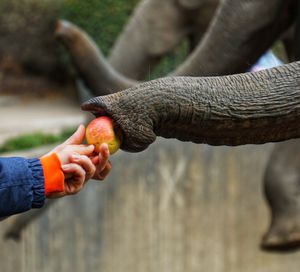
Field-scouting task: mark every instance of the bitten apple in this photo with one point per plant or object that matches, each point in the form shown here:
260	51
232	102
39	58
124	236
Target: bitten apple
101	130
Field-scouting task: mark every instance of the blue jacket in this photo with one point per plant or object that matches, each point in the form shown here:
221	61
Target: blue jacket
21	185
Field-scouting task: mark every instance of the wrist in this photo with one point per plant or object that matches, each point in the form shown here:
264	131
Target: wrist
53	174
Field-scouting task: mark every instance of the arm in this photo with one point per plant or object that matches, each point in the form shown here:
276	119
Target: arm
21	185
24	183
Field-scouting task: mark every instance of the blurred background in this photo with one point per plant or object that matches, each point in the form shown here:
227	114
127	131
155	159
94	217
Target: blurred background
174	207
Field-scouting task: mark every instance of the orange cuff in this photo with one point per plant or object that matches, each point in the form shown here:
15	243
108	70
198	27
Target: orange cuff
53	174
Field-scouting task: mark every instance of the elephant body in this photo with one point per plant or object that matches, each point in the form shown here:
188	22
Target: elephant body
155	29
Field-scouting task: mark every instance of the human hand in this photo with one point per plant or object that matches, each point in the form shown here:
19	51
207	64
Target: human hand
84	168
72	146
79	162
103	165
85	154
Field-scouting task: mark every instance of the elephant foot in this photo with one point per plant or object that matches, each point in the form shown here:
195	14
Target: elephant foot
284	238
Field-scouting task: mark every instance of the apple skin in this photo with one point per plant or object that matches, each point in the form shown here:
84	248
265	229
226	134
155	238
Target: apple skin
101	130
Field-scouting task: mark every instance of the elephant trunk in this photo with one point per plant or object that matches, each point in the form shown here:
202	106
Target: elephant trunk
251	108
240	32
89	61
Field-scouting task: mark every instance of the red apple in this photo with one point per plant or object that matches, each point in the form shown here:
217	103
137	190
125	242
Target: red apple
101	130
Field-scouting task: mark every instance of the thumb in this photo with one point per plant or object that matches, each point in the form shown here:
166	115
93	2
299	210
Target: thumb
77	137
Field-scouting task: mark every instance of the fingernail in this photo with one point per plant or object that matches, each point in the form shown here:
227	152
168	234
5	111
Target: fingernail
105	145
105	148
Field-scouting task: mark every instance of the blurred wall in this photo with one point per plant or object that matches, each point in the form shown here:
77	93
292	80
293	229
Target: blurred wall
175	207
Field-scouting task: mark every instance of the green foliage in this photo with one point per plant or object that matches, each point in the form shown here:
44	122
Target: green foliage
105	19
171	61
279	51
34	140
102	19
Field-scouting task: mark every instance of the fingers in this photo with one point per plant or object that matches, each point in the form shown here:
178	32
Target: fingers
77	137
80	149
103	165
103	174
86	164
75	183
103	156
65	154
79	168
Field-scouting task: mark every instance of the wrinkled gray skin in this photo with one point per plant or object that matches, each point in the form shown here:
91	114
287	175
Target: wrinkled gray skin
155	28
250	108
282	183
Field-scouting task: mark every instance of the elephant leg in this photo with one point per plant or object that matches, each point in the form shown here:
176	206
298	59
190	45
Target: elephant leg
239	34
288	39
282	191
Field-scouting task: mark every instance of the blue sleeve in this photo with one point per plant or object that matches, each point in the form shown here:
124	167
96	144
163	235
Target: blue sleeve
21	185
